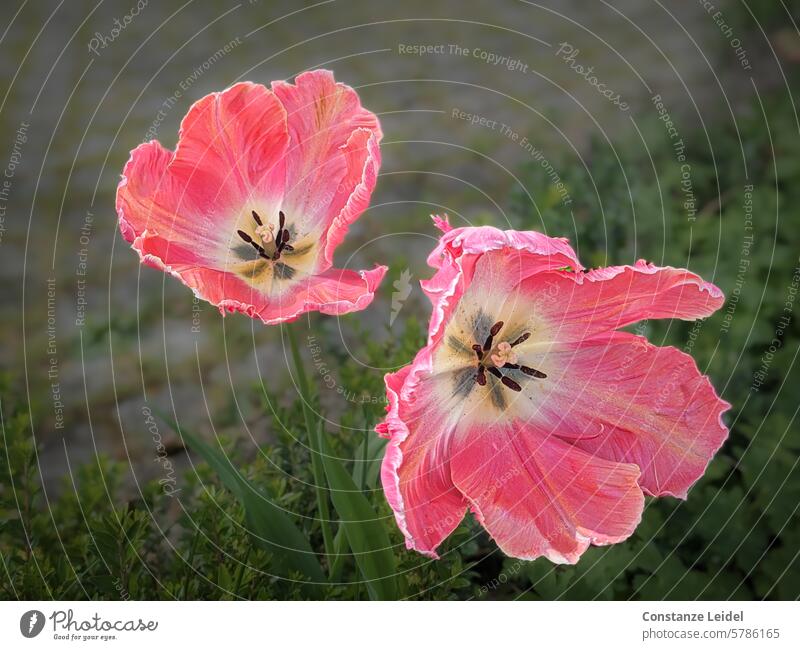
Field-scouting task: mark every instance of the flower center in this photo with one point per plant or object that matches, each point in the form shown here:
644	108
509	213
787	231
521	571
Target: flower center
272	243
492	357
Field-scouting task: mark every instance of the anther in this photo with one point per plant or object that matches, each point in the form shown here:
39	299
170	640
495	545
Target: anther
480	377
257	218
521	339
533	372
495	372
281	237
487	345
478	350
511	383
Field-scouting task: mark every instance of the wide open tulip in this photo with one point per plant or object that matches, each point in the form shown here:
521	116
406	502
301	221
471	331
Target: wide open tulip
529	407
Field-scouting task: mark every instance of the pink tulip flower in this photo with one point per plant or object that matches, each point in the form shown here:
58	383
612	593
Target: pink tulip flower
530	407
260	190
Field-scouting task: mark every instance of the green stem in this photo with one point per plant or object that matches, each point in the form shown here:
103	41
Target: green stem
364	456
313	446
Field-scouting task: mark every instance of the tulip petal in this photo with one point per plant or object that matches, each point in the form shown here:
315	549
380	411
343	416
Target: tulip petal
151	202
416	471
578	306
539	496
231	147
230	150
323	166
651	404
334	292
363	159
506	258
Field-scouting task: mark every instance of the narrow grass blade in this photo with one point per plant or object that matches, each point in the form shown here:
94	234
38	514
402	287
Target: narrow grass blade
365	532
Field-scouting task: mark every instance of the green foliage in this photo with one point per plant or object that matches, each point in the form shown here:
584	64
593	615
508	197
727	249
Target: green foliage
365	532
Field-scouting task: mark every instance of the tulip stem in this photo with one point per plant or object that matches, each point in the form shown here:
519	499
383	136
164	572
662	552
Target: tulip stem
364	452
320	486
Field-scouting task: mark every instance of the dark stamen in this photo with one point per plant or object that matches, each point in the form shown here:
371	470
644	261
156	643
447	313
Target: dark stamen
481	351
279	234
487	345
281	237
532	372
249	240
257	218
521	339
495	372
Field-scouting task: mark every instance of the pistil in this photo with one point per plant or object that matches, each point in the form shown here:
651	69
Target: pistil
491	359
265	232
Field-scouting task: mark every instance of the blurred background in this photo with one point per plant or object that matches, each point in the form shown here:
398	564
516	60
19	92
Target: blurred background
659	130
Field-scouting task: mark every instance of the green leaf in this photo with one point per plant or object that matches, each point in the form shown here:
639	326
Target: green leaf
374	456
269	525
364	530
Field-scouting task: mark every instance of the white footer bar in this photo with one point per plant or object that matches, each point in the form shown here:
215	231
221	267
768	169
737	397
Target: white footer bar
403	625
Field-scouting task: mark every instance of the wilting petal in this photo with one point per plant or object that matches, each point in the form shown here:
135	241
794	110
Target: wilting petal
539	496
416	467
323	170
577	306
651	405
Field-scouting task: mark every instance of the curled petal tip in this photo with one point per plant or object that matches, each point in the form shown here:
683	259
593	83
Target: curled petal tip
442	223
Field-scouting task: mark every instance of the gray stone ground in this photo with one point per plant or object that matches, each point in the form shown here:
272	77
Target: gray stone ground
86	110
